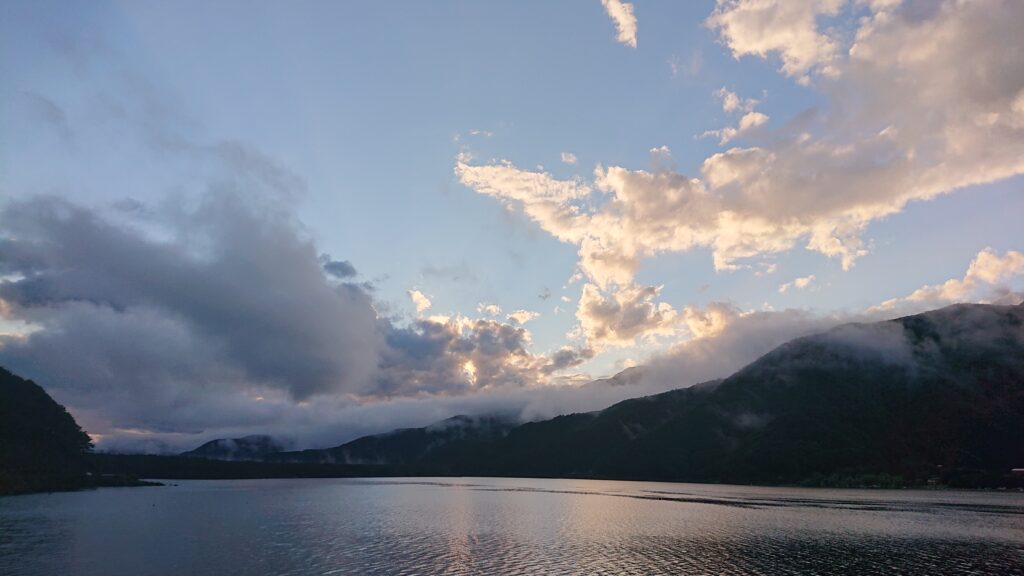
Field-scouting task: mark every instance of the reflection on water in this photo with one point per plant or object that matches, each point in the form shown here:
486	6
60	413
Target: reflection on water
507	526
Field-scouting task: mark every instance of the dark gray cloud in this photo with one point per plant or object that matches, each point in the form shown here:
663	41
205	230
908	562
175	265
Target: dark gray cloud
215	315
232	274
339	268
567	357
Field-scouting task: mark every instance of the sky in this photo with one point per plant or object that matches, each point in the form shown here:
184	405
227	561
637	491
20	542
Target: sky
325	219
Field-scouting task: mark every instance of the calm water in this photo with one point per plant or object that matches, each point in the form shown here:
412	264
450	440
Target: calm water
507	526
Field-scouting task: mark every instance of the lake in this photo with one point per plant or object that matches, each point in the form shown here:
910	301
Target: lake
507	526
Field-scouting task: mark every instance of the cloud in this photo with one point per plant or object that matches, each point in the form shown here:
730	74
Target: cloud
567	357
731	102
196	315
488	309
766	269
619	318
920	103
339	268
211	314
985	280
788	29
139	366
751	120
568	158
456	356
215	315
712	320
539	191
155	337
238	276
736	340
610	241
735	343
621	14
747	123
797	283
739	341
419	300
522	316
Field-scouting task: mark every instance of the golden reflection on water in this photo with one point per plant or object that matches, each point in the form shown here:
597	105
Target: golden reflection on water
508	527
460	553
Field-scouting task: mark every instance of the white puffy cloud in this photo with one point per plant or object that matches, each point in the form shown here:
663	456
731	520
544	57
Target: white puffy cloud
544	198
785	27
985	280
797	283
751	120
621	14
731	102
748	122
522	316
921	102
766	269
713	319
420	301
620	317
488	309
568	158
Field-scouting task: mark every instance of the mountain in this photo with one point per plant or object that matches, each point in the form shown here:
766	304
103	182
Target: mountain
935	396
42	448
38	438
454	437
253	447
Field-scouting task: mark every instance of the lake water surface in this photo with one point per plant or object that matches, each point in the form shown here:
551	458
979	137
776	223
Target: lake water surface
507	526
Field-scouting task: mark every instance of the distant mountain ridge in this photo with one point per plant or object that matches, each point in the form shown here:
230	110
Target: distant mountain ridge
914	397
938	394
410	445
254	447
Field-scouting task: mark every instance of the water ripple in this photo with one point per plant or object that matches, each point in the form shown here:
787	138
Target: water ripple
507	527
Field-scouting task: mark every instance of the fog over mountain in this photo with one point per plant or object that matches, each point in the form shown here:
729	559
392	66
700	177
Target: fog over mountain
246	448
933	397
